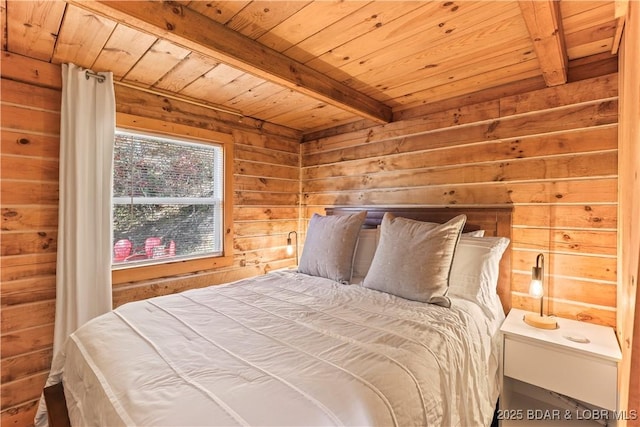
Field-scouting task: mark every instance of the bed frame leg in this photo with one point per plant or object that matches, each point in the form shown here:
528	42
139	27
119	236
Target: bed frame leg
56	406
494	422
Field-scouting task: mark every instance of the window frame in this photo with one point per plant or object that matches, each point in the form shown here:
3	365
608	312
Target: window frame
134	273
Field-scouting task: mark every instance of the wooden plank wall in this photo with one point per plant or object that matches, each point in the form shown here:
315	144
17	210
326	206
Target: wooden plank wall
629	213
266	175
266	192
30	127
551	153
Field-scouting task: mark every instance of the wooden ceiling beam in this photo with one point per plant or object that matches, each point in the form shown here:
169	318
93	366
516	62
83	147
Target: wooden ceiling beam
543	21
620	14
185	27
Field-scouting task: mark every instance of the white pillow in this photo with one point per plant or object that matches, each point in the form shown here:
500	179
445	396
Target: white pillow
413	258
365	250
475	268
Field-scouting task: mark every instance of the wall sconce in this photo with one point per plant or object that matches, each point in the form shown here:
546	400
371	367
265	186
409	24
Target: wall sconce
536	290
290	246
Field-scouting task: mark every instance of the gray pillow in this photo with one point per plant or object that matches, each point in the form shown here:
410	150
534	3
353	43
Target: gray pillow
329	246
413	259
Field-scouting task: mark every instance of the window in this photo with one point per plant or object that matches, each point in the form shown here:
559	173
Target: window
167	199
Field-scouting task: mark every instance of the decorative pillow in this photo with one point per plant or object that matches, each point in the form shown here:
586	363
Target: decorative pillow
475	268
329	246
413	258
365	250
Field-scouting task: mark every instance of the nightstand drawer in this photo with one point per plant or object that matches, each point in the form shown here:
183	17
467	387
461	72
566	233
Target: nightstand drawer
567	372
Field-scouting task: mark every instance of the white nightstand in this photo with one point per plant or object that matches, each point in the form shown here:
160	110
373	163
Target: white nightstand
546	372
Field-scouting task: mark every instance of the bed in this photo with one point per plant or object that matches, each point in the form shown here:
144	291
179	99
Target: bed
295	347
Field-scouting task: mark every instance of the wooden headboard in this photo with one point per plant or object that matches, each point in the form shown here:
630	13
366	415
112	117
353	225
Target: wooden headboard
496	221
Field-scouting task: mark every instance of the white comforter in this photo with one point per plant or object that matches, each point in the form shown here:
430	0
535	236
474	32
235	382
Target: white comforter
284	349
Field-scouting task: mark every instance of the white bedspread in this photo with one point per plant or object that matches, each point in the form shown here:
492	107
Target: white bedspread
284	349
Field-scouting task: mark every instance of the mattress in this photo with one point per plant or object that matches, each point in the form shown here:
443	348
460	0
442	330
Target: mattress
284	349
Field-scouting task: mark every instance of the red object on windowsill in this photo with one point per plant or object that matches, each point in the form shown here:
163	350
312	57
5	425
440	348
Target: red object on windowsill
153	249
121	250
150	244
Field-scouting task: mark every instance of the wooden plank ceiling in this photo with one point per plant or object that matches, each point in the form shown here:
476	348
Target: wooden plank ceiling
314	65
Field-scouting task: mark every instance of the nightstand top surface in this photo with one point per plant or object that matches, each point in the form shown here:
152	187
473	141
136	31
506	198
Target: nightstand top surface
602	339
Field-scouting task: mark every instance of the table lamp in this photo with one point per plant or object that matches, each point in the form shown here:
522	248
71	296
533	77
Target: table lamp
536	290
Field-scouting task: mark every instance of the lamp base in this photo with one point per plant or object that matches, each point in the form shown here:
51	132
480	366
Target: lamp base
542	322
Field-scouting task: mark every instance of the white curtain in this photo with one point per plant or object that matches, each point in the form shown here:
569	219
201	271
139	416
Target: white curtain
83	275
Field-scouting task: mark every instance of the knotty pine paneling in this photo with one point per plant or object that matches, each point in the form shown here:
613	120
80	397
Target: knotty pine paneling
266	172
551	153
30	128
629	259
471	155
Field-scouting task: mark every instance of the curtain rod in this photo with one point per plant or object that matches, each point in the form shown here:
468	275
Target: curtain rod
101	79
179	98
96	76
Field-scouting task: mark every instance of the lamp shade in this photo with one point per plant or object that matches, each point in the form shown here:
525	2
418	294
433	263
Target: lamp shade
535	289
290	248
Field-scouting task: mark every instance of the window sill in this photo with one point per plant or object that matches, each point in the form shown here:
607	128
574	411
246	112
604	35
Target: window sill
156	271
